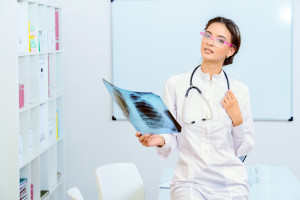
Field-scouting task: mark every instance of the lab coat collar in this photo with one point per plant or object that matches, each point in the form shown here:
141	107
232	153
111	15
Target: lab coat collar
205	76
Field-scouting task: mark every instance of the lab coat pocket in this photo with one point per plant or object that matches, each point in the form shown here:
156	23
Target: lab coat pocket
236	175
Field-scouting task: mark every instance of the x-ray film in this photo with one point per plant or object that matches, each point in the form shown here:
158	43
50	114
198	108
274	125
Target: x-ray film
146	111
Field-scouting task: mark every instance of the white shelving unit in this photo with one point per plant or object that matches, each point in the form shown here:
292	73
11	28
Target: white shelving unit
40	69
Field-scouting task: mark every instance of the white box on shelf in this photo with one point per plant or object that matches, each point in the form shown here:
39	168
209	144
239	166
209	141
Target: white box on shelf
34	73
20	146
42	41
43	142
30	142
22	27
43	25
52	74
43	130
51	28
51	131
43	79
51	40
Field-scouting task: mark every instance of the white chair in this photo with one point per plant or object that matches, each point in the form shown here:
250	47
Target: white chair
119	181
75	194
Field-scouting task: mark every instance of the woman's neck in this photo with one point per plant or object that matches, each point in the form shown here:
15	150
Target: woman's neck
211	68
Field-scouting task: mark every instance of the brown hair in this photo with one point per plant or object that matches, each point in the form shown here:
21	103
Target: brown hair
235	35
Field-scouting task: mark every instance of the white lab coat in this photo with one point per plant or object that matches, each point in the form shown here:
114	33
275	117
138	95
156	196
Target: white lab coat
208	166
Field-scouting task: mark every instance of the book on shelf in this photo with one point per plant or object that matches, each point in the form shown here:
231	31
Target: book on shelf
23	182
44	193
21	95
57	129
57	28
31	192
33	46
23	193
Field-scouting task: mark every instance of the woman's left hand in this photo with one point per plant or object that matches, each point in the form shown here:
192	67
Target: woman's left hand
231	105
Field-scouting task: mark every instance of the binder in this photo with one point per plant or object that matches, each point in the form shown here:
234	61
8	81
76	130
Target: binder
57	29
57	131
33	46
21	95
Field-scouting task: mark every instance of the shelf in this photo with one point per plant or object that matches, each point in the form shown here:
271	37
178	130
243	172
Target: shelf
56	187
53	3
36	155
41	117
38	53
26	162
37	104
28	1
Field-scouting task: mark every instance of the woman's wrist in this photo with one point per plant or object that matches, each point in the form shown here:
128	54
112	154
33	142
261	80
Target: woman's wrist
237	122
163	142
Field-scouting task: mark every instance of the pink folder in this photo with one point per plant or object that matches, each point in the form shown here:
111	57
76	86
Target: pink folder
21	95
57	29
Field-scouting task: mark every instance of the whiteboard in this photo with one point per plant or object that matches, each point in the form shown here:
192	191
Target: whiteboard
155	39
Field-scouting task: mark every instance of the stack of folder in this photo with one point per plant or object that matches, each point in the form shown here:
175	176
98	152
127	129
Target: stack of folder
23	193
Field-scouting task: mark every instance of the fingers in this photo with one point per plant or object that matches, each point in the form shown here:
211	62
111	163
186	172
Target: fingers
138	134
225	102
228	99
144	138
146	141
230	95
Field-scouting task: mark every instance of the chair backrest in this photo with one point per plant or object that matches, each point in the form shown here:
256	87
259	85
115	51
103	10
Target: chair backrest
75	194
119	181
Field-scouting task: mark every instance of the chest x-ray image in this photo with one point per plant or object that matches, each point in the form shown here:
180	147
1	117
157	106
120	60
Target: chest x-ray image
146	111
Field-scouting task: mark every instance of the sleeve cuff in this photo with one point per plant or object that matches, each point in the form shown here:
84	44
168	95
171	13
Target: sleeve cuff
166	146
239	131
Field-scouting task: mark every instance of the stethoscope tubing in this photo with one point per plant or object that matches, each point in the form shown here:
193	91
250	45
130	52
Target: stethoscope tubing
200	92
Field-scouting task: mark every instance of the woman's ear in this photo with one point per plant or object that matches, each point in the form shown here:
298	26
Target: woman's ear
231	51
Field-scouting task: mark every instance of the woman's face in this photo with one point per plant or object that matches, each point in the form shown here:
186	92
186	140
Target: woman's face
212	53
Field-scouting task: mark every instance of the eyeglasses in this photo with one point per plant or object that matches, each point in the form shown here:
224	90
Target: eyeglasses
218	41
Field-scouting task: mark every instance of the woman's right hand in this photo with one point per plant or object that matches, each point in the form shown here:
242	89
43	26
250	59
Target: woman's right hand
149	140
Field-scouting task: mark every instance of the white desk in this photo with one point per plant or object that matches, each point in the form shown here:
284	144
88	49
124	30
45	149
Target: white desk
283	185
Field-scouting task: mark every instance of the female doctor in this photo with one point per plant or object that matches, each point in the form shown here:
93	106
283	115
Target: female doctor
217	126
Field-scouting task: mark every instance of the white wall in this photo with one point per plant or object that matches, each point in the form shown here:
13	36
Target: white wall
9	110
93	139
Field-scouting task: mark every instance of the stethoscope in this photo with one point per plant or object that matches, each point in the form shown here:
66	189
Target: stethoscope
200	92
